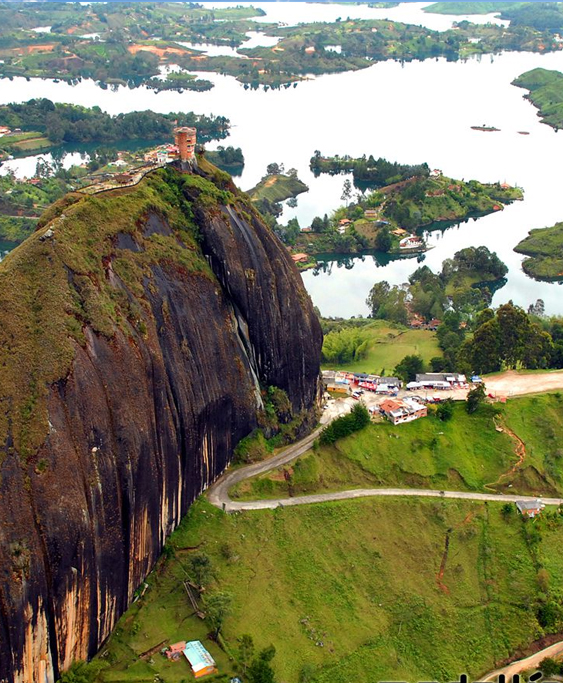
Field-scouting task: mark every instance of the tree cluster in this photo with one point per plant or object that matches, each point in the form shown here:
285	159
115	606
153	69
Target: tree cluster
345	425
74	123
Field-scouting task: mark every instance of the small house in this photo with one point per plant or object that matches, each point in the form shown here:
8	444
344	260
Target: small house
175	651
411	242
370	213
530	508
199	659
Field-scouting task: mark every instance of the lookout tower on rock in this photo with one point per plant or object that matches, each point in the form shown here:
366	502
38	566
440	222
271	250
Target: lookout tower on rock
185	139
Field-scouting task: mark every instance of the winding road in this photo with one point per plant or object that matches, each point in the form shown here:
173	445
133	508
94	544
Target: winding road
218	494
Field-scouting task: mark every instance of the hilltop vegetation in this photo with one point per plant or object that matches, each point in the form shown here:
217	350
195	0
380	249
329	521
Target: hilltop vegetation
466	452
275	187
546	93
545	247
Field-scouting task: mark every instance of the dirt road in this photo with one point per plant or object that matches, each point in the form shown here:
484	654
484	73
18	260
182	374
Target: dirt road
513	383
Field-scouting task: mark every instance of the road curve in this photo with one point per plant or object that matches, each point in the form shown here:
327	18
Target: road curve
527	664
218	494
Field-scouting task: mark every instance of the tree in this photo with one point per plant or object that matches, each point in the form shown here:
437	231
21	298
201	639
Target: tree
383	240
200	568
346	191
409	367
549	667
387	303
317	224
261	671
217	606
246	651
274	169
445	410
474	398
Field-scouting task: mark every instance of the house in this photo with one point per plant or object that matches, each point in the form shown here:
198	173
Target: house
393	382
309	50
406	410
411	242
530	508
435	173
4	130
175	651
440	380
200	660
370	213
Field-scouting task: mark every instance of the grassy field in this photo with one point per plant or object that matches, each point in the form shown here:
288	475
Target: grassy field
350	591
388	345
276	188
465	453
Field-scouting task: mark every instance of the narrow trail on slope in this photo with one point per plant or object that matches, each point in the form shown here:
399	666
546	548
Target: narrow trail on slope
519	450
440	574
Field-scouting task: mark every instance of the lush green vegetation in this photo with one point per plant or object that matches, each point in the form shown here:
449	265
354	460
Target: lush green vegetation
352	590
376	346
461	286
74	123
542	16
343	426
372	172
545	247
546	93
275	188
470	7
466	452
228	159
128	43
378	220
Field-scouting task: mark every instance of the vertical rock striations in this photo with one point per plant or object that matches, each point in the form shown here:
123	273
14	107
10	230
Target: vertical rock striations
136	331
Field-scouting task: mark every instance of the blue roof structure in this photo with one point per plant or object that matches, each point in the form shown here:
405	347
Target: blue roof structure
197	656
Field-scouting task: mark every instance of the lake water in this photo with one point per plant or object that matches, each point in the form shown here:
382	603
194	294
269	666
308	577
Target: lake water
419	111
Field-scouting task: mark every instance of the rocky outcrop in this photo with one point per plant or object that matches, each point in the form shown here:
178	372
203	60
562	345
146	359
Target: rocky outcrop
137	330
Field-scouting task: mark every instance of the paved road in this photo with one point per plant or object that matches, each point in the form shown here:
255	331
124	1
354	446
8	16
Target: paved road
218	494
527	664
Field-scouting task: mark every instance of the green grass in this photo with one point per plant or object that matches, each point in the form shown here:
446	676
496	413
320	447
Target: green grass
357	577
469	7
388	345
546	93
277	188
545	247
465	453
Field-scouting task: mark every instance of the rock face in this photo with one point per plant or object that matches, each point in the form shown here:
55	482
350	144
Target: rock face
134	343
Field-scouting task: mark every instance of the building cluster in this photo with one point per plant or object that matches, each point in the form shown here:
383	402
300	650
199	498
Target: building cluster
438	380
199	659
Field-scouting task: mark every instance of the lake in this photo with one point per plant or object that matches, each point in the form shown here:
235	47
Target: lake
415	112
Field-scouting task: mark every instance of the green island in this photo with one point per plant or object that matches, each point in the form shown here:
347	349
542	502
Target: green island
541	16
39	124
369	589
130	44
544	246
470	7
115	43
546	93
407	198
275	187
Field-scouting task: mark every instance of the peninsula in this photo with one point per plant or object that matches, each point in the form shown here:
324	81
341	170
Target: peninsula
545	93
544	246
